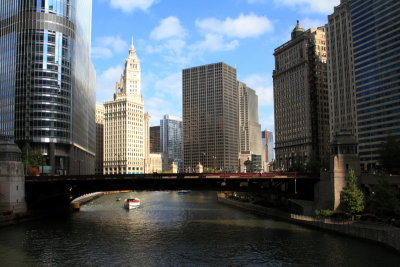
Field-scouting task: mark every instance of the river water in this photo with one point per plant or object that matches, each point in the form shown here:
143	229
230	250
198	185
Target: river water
169	229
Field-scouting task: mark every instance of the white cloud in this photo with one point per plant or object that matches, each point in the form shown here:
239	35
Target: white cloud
105	47
128	6
263	86
242	27
171	84
169	27
311	6
105	83
257	1
308	23
215	43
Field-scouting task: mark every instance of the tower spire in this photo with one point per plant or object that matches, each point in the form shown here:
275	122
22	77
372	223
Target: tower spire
132	46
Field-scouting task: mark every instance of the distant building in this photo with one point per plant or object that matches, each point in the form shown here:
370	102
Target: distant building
301	101
375	36
268	145
48	82
126	129
210	117
99	138
172	142
155	140
249	127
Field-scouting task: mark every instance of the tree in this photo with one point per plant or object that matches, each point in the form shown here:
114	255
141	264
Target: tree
390	155
384	201
31	158
351	198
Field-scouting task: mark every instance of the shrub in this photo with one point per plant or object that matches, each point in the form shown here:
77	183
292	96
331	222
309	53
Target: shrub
322	214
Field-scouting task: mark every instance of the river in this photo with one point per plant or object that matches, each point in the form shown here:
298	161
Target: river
169	229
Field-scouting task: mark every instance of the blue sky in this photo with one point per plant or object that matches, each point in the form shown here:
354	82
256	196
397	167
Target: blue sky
170	35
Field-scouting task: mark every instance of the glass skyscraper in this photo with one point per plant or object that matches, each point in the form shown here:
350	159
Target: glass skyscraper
376	43
171	140
47	81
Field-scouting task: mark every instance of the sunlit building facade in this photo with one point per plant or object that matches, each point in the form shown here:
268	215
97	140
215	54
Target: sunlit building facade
126	129
99	138
47	81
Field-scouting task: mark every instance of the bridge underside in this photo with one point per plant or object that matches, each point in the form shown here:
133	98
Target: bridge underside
56	192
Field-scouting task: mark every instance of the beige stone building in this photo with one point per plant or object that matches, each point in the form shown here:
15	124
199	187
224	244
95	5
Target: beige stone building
249	126
341	85
126	133
99	138
301	101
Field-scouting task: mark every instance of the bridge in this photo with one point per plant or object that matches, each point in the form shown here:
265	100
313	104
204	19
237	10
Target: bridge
53	191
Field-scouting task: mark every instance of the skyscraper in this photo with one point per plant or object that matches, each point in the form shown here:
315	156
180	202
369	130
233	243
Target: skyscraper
268	145
341	86
249	127
99	138
210	117
126	129
376	47
301	100
155	145
172	141
47	81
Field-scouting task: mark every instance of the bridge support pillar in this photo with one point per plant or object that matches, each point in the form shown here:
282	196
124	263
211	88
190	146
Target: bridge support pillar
12	179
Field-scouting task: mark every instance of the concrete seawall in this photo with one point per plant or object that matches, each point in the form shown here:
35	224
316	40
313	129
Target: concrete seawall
382	234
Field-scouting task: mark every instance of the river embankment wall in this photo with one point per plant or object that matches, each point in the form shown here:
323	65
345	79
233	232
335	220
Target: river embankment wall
383	234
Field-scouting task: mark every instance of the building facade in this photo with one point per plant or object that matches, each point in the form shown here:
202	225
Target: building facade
301	104
267	138
249	127
172	142
47	84
99	138
126	132
210	117
340	66
155	140
376	44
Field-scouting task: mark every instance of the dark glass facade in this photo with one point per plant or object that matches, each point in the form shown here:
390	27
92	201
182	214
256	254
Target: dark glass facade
376	41
48	81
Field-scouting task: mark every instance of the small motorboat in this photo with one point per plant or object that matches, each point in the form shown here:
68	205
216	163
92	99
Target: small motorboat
132	203
118	199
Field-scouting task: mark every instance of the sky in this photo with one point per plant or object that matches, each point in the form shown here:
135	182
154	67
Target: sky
171	35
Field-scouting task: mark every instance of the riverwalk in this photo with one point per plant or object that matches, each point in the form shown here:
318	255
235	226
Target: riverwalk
380	233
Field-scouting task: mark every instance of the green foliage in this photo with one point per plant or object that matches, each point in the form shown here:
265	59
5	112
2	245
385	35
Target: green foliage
385	200
351	198
390	155
322	214
31	158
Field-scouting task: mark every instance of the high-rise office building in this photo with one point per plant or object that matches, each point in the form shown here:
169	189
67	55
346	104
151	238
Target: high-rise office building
301	100
376	47
47	81
340	65
99	138
210	117
172	141
268	145
126	129
155	144
249	127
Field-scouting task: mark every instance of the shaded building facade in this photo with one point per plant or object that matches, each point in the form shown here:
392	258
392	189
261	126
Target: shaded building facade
155	145
301	106
376	49
47	81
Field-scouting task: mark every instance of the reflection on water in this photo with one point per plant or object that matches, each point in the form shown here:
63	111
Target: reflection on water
169	229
